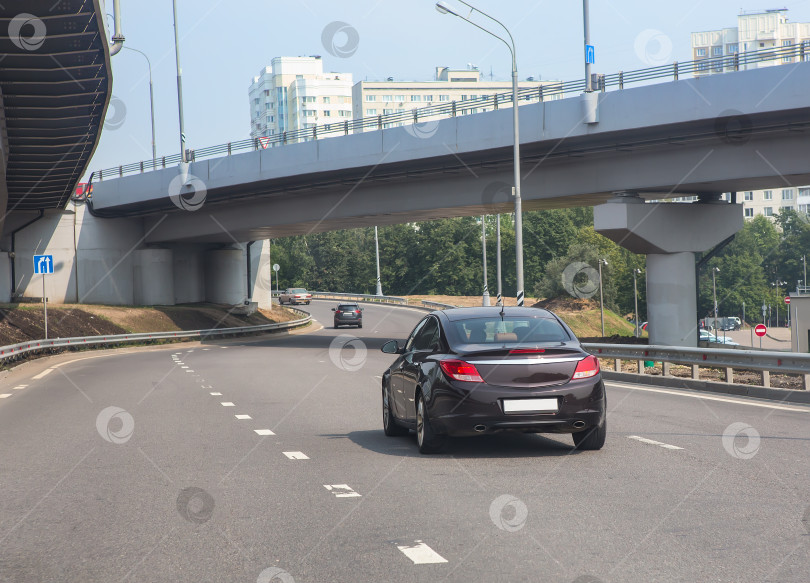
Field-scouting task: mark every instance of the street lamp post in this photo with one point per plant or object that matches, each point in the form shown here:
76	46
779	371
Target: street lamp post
485	298
377	247
183	156
151	104
498	261
601	296
443	8
636	272
715	270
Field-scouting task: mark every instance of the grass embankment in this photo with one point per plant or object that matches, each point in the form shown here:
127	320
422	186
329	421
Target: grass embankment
582	316
22	322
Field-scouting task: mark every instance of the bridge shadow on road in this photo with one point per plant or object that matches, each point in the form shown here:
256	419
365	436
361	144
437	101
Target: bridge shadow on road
501	445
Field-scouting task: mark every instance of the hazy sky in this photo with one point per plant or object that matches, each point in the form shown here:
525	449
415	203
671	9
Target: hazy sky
224	43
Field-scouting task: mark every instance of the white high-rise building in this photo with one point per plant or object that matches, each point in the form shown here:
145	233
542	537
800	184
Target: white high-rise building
375	98
755	31
294	93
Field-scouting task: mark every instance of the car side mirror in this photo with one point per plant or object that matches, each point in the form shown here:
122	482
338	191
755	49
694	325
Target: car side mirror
333	309
391	347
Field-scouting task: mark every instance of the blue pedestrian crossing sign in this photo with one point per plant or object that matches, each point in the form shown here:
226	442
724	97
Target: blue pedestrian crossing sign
43	264
590	54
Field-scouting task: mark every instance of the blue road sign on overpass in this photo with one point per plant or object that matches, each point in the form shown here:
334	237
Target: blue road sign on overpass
43	264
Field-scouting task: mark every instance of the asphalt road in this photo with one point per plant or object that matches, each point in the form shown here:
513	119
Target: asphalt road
172	485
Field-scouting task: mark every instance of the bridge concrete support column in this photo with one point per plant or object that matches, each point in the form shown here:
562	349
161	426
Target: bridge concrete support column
189	274
153	277
225	276
669	234
261	274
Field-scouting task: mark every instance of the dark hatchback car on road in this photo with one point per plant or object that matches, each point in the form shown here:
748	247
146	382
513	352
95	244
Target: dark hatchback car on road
471	371
348	315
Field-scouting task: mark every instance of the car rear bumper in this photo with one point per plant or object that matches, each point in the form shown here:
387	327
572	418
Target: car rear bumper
348	321
473	409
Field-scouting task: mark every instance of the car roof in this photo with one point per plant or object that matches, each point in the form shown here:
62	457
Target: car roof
455	314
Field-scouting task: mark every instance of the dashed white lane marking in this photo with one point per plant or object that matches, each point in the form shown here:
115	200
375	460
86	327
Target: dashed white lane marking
421	554
227	404
189	370
243	416
341	490
183	367
216	394
19	387
5	395
296	455
44	373
653	442
264	432
752	403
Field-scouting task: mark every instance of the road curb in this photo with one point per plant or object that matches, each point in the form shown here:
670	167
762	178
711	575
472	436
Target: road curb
782	395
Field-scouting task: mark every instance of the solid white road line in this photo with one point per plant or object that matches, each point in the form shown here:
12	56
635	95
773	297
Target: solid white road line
341	490
264	432
227	404
421	554
752	403
653	442
243	416
295	455
44	373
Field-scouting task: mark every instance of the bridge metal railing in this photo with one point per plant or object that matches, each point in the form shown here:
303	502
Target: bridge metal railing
555	90
766	362
14	351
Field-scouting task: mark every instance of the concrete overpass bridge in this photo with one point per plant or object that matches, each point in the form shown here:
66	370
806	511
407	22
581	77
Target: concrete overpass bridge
166	236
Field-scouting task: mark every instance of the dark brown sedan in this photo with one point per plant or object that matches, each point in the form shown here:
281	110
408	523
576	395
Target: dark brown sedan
471	371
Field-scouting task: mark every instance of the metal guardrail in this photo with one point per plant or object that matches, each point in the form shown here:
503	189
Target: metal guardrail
765	362
674	71
437	305
16	350
359	297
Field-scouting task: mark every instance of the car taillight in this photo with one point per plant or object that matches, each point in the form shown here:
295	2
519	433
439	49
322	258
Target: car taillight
338	312
527	351
458	370
357	312
587	367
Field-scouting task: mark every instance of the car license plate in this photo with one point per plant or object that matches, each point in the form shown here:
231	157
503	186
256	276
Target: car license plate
530	405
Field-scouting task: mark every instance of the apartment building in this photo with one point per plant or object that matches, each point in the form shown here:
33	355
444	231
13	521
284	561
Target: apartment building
463	86
294	93
755	31
762	30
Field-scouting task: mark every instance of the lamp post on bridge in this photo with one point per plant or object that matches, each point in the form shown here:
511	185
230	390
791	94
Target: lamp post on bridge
601	296
151	103
183	156
443	8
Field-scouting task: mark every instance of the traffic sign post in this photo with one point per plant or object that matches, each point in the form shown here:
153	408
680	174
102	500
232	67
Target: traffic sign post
43	265
276	267
760	331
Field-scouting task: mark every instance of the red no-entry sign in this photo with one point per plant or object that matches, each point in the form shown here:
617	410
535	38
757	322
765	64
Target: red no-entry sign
760	330
787	299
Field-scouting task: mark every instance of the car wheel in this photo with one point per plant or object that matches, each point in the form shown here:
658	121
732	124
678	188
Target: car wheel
359	325
592	438
427	441
337	325
390	426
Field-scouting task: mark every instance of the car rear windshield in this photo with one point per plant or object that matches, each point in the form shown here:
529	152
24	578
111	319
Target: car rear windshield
298	290
509	330
347	308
